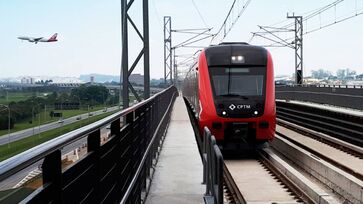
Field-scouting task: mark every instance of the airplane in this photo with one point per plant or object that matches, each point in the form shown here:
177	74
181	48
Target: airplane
41	39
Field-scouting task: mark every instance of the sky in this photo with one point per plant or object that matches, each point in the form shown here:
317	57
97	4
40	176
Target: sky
89	34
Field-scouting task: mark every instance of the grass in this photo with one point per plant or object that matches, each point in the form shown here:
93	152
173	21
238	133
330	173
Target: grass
44	118
7	97
14	195
14	148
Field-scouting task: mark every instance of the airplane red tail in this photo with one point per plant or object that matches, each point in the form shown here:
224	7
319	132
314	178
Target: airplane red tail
54	37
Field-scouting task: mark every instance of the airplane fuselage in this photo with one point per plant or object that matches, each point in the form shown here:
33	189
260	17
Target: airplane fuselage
41	39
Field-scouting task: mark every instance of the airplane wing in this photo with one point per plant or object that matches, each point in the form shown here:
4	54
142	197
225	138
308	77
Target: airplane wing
37	39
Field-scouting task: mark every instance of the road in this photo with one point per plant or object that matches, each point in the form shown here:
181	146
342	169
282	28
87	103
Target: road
5	139
16	178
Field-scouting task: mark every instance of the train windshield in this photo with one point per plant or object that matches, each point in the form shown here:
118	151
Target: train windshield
238	82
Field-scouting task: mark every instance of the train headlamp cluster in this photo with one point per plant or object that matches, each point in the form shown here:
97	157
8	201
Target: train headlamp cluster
238	59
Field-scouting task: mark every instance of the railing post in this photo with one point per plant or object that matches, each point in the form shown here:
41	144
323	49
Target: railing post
149	136
213	167
219	175
129	120
204	155
210	165
93	147
52	174
115	127
144	136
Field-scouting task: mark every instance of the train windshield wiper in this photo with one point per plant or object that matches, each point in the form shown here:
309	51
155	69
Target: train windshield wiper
226	95
234	95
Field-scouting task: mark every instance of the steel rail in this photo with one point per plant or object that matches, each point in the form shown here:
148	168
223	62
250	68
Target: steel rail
285	180
338	144
232	186
322	156
263	156
339	125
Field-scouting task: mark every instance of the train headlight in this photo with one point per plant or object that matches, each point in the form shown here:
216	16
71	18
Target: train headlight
238	59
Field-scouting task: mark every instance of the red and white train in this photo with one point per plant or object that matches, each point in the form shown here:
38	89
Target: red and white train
231	89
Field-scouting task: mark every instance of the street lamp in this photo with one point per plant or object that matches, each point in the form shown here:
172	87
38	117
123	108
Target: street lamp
8	123
33	119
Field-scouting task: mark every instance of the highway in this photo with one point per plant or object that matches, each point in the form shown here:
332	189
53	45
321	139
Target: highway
5	139
13	180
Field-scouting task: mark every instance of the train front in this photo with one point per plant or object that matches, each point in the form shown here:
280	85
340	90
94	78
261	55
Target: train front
237	93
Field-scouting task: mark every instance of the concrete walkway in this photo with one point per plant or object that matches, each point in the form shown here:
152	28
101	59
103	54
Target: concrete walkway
179	172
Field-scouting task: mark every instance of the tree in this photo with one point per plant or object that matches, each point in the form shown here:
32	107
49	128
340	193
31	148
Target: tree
351	73
341	73
52	98
90	95
4	121
320	74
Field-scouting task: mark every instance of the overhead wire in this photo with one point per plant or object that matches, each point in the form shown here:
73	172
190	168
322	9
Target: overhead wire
157	13
225	20
335	22
316	12
229	17
307	15
199	13
187	42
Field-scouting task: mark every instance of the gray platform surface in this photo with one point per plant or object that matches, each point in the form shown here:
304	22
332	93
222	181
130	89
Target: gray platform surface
179	172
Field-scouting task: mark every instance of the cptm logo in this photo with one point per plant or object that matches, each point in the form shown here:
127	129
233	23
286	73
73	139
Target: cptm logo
241	106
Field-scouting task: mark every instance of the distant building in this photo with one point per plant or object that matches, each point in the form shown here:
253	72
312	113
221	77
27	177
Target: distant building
27	80
137	79
92	79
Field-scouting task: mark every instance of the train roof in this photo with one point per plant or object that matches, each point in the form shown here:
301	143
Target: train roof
224	53
233	43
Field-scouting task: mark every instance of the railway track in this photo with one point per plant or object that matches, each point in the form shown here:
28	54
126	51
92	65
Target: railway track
349	154
346	127
263	179
335	164
319	162
300	166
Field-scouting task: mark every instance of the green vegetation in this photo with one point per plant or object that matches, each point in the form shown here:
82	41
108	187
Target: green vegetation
14	195
9	150
7	97
44	118
30	106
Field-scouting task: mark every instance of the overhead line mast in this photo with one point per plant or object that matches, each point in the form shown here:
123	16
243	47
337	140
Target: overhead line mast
168	67
199	34
125	69
271	33
298	45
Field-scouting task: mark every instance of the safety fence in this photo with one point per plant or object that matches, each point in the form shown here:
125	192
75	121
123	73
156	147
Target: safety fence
336	95
212	160
212	169
116	171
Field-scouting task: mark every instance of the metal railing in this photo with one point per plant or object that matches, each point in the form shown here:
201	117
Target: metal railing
212	160
324	86
343	96
212	169
116	171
